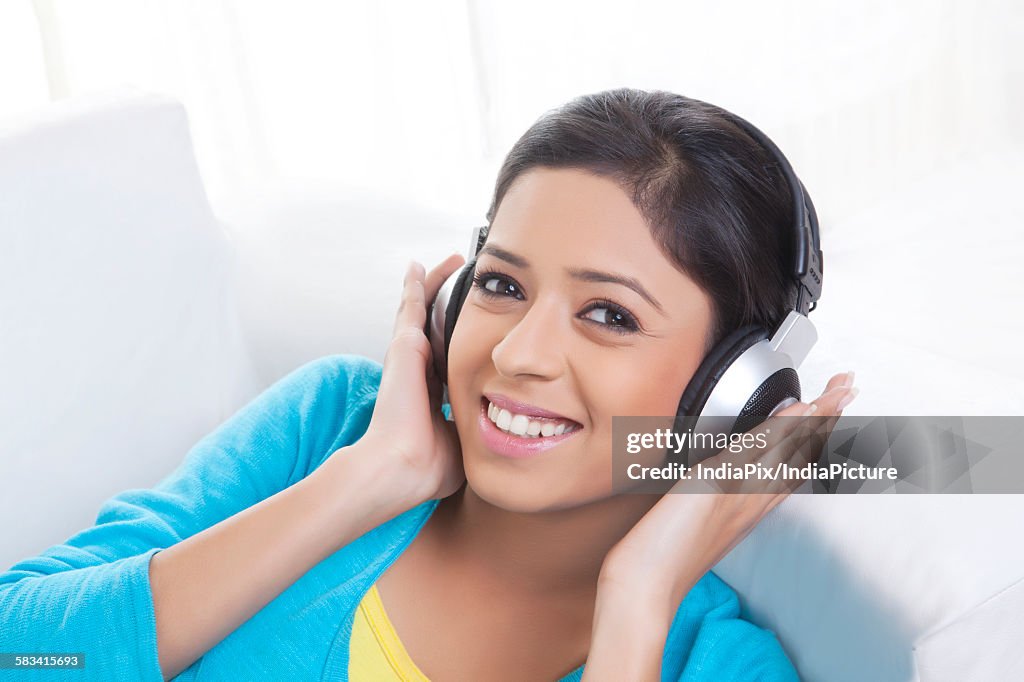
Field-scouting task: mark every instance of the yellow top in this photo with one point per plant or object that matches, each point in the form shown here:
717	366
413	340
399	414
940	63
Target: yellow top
375	652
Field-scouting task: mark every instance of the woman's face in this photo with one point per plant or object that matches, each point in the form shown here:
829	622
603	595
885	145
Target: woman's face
544	325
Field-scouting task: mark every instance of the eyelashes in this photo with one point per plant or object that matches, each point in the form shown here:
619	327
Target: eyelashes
506	287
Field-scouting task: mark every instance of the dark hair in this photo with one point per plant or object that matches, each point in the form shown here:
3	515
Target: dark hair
713	197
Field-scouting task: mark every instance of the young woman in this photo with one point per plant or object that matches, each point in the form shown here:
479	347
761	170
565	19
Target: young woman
338	527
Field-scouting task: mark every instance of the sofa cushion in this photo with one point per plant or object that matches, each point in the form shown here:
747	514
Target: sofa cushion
118	343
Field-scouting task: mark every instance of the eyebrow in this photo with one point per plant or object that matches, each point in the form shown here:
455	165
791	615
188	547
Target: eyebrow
582	274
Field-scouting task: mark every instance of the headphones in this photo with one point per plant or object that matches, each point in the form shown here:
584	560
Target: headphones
751	373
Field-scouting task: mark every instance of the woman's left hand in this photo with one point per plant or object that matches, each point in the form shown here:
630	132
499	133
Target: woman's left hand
646	574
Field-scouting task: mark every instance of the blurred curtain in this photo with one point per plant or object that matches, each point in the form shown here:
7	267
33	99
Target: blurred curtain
423	100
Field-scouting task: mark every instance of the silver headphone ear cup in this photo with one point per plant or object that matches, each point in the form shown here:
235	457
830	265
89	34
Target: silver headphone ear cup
748	374
776	360
713	368
445	312
741	382
436	326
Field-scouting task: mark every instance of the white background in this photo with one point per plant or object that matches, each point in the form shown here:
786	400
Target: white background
422	100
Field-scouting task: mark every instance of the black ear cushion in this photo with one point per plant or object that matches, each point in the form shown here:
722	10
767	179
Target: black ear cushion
455	300
714	367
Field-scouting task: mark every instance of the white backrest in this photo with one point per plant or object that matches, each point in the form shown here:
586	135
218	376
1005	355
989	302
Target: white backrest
920	297
118	342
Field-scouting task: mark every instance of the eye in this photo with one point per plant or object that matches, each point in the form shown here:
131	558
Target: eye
495	285
613	316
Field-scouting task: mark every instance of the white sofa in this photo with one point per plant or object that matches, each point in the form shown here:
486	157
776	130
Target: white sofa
133	321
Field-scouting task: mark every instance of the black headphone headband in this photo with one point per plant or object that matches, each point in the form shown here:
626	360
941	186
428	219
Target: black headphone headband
808	262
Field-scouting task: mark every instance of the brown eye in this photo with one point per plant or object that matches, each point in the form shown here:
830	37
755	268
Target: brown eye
614	317
496	285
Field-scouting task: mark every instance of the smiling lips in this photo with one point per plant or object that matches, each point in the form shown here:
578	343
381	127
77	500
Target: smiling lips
535	423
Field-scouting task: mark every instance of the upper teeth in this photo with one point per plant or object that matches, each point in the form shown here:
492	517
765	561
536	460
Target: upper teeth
523	425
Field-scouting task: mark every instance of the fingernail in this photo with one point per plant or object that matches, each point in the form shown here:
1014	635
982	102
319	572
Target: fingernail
810	410
849	379
848	398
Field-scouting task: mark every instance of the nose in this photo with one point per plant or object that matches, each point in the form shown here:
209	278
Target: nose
535	346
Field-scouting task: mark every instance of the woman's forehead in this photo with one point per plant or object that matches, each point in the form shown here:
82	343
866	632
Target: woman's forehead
573	209
565	220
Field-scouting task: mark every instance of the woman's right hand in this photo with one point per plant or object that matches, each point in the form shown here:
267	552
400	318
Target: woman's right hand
408	427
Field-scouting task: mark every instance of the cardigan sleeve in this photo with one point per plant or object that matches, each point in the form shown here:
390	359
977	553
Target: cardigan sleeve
91	594
727	647
736	649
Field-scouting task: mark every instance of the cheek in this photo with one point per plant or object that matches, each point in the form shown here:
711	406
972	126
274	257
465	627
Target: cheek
469	357
472	341
648	387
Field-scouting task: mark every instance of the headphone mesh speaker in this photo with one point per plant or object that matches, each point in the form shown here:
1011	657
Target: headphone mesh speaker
776	389
748	375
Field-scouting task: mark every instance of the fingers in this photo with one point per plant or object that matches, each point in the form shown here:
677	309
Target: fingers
787	437
772	440
802	448
806	444
829	405
412	311
798	439
839	392
436	277
418	288
844	379
834	400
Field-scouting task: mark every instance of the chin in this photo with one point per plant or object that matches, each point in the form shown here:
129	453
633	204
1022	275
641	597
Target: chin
506	501
523	493
505	490
559	479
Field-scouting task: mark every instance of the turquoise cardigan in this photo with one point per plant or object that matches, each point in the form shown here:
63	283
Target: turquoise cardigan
91	594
